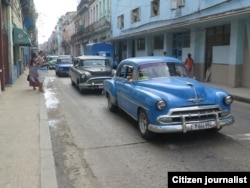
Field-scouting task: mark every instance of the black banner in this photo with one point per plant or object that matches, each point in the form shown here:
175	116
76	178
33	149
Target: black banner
208	179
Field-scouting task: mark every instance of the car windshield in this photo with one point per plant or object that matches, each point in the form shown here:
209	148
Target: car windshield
159	70
65	61
152	70
177	69
94	62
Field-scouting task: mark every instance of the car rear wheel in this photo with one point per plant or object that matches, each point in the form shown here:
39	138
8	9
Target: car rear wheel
72	83
111	106
79	89
143	123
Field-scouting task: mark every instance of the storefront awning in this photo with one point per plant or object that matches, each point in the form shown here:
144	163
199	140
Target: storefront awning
20	37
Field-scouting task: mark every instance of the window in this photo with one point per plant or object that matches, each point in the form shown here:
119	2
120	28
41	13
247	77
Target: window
155	7
141	44
120	21
186	39
174	4
158	42
219	35
135	15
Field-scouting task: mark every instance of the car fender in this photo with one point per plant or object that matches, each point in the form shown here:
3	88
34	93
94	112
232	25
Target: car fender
109	89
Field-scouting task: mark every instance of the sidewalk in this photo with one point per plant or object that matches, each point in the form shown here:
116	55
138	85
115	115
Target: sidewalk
239	94
26	157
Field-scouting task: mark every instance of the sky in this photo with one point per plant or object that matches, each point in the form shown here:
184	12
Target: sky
49	11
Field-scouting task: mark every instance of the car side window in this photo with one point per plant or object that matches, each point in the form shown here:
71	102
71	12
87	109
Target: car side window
76	63
129	72
121	71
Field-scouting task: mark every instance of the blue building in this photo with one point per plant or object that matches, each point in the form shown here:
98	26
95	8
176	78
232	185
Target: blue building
215	32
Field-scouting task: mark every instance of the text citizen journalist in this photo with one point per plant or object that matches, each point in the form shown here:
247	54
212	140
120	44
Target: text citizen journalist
207	180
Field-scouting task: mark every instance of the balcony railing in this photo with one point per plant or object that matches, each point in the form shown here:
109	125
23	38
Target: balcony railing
100	25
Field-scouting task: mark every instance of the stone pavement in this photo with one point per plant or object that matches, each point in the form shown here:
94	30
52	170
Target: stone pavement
26	157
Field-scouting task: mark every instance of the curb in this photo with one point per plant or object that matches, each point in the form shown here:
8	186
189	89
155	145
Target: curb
47	162
241	99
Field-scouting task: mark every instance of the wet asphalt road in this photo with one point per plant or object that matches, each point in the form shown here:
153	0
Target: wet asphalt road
95	148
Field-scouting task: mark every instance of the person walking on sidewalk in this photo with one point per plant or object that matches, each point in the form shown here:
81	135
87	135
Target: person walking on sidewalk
189	64
41	70
33	76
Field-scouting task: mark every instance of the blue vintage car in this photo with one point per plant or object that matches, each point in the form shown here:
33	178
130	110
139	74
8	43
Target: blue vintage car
63	64
157	92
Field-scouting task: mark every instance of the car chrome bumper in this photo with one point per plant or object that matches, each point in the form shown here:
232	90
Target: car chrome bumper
93	83
186	127
90	86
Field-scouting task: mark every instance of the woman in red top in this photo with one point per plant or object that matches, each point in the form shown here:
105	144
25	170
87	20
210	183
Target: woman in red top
189	64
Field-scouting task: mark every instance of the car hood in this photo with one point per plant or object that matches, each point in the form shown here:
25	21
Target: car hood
97	71
183	91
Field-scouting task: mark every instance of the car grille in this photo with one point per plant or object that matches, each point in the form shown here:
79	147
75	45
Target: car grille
96	80
66	69
192	114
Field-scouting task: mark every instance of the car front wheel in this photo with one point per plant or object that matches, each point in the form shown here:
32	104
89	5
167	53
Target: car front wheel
143	123
111	106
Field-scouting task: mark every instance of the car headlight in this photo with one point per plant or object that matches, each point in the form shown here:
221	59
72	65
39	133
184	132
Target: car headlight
228	100
83	76
161	105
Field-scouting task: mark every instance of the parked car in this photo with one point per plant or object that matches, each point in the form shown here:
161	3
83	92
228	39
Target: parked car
52	62
62	66
159	95
89	72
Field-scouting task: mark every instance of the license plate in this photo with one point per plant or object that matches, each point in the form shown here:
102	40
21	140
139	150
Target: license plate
101	86
203	125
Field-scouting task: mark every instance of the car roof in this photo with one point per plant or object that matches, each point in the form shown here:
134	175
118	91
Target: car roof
90	57
150	59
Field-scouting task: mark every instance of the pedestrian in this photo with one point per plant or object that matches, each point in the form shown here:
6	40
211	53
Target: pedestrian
33	76
45	59
41	70
116	62
189	64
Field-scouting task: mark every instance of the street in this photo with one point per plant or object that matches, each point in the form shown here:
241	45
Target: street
95	148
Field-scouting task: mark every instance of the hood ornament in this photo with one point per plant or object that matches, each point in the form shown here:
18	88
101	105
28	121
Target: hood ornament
195	100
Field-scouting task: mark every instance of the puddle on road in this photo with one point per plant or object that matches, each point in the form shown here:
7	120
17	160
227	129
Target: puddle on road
51	99
52	103
53	122
50	94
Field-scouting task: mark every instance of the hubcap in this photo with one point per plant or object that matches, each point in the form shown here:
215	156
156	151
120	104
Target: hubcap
143	123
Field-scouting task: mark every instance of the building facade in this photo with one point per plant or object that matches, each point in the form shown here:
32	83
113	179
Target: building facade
19	34
215	32
93	24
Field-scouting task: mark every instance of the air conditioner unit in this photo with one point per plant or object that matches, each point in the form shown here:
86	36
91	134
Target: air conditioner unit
173	4
181	3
